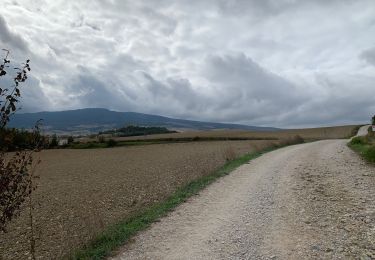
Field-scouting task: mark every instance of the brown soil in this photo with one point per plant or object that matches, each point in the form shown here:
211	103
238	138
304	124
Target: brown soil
83	191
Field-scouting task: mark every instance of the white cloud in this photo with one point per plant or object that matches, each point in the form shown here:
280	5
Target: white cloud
281	63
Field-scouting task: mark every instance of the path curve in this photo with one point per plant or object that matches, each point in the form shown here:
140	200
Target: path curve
308	201
363	130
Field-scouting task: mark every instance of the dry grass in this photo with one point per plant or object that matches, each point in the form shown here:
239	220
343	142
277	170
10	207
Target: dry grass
81	192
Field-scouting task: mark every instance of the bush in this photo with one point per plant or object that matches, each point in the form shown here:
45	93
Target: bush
16	140
54	142
111	143
369	154
196	138
70	139
365	145
358	140
298	139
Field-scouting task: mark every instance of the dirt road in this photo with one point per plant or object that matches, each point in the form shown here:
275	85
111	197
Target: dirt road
309	201
363	130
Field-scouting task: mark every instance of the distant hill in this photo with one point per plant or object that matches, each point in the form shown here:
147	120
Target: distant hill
91	120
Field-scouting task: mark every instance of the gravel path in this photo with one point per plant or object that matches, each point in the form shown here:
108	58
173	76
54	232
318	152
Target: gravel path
309	201
363	130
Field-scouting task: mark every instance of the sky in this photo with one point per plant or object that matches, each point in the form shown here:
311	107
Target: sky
282	63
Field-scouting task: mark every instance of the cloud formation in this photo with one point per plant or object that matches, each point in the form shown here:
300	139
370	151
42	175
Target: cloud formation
369	55
7	37
273	63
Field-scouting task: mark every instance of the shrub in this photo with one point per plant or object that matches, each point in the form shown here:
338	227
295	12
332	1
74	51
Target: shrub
298	139
358	140
369	154
196	138
53	143
16	140
70	139
111	143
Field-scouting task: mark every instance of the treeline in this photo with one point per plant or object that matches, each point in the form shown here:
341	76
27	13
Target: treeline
137	131
12	139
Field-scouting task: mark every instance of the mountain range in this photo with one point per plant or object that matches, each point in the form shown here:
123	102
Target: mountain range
92	120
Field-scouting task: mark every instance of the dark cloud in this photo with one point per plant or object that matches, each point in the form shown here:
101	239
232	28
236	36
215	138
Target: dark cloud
242	75
177	94
90	90
249	91
346	102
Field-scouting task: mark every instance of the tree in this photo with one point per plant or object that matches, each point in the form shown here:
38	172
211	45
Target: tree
70	139
111	143
54	141
16	169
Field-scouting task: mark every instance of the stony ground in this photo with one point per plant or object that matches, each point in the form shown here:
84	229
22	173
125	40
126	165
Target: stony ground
309	201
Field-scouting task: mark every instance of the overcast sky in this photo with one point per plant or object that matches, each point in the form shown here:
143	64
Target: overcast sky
284	63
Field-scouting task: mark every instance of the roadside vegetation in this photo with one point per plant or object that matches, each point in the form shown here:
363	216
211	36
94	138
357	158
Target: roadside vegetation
365	145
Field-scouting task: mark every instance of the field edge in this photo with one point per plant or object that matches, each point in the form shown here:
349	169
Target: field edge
117	235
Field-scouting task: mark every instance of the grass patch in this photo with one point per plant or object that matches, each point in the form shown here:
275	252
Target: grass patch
116	236
365	146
